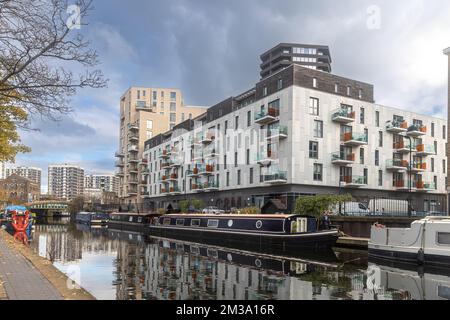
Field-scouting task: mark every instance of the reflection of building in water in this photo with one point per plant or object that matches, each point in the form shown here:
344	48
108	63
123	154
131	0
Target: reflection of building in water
129	273
58	246
176	275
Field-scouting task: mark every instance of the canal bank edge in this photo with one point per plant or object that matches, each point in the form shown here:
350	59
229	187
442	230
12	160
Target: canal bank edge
58	279
3	295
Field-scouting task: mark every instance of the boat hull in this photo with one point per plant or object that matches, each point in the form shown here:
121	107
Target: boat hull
270	243
432	260
126	226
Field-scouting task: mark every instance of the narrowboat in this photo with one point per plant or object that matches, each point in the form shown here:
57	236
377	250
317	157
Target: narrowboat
21	210
92	218
278	232
426	243
130	221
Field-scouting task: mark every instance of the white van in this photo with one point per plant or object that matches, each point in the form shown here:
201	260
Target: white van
389	207
351	209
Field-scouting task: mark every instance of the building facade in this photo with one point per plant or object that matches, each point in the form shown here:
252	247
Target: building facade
284	54
447	53
299	132
19	190
65	181
33	174
144	113
109	183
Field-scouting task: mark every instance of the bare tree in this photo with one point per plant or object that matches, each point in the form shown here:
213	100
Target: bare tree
40	47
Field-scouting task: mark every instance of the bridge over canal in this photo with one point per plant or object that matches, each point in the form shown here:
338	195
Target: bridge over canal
49	208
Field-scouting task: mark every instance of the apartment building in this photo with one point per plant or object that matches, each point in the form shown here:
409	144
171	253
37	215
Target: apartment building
33	174
108	183
299	132
284	54
65	181
447	53
145	113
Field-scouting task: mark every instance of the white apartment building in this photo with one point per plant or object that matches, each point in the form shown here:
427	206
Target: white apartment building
33	174
65	181
299	132
109	183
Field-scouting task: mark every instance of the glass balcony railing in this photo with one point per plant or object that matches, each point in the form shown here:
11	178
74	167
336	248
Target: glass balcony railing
402	145
270	113
275	176
343	113
417	128
357	180
425	185
341	156
277	131
211	185
396	126
397	163
426	149
355	137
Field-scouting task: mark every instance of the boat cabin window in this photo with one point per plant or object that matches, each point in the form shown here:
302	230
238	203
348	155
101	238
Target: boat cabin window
213	223
195	250
166	221
212	253
180	222
195	222
130	219
443	238
444	292
140	219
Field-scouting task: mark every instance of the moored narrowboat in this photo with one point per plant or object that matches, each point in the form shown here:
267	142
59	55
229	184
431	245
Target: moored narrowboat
92	218
130	221
256	232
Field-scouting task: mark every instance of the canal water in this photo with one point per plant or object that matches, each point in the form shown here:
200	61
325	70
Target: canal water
119	265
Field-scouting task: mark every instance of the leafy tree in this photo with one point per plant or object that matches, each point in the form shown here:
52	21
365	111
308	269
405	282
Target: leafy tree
250	210
197	204
317	205
10	118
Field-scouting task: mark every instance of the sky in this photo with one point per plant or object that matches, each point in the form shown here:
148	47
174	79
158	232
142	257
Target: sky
210	50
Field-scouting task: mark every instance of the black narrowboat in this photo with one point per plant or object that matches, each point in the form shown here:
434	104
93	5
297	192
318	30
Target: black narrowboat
280	233
92	218
130	221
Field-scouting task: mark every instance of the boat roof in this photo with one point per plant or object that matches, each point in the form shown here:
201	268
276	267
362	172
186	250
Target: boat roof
206	215
12	208
133	214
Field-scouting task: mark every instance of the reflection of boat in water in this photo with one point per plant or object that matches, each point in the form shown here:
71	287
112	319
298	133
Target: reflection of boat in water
408	284
277	233
427	242
127	236
282	265
93	229
130	221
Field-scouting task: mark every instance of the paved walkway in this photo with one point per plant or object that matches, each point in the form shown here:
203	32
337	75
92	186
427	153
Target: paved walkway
21	280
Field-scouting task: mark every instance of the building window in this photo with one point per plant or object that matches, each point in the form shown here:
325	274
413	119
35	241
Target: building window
377	157
318	172
251	176
239	177
228	179
366	133
162	94
149	124
336	88
236	123
366	176
314	106
155	95
313	150
361	156
318	129
265	91
377	118
162	105
236	159
380	178
435	147
315	82
280	84
225	162
444	132
362	115
247	160
249	118
435	179
432	129
173	106
173	96
360	94
444	166
380	139
349	90
432	164
173	117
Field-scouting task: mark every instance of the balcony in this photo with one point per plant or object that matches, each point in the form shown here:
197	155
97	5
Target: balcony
175	163
266	117
425	187
397	165
163	154
194	173
207	138
197	157
402	147
207	170
132	192
279	177
211	186
120	174
343	115
142	106
133	126
132	170
133	137
173	177
401	185
424	150
174	190
133	148
416	131
418	167
133	160
266	158
279	133
354	139
120	164
354	181
133	181
342	159
210	153
197	187
119	154
396	126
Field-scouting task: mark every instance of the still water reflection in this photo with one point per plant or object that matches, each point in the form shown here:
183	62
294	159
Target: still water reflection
119	265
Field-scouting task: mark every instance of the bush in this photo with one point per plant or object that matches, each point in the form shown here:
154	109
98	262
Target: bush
161	211
317	205
185	205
